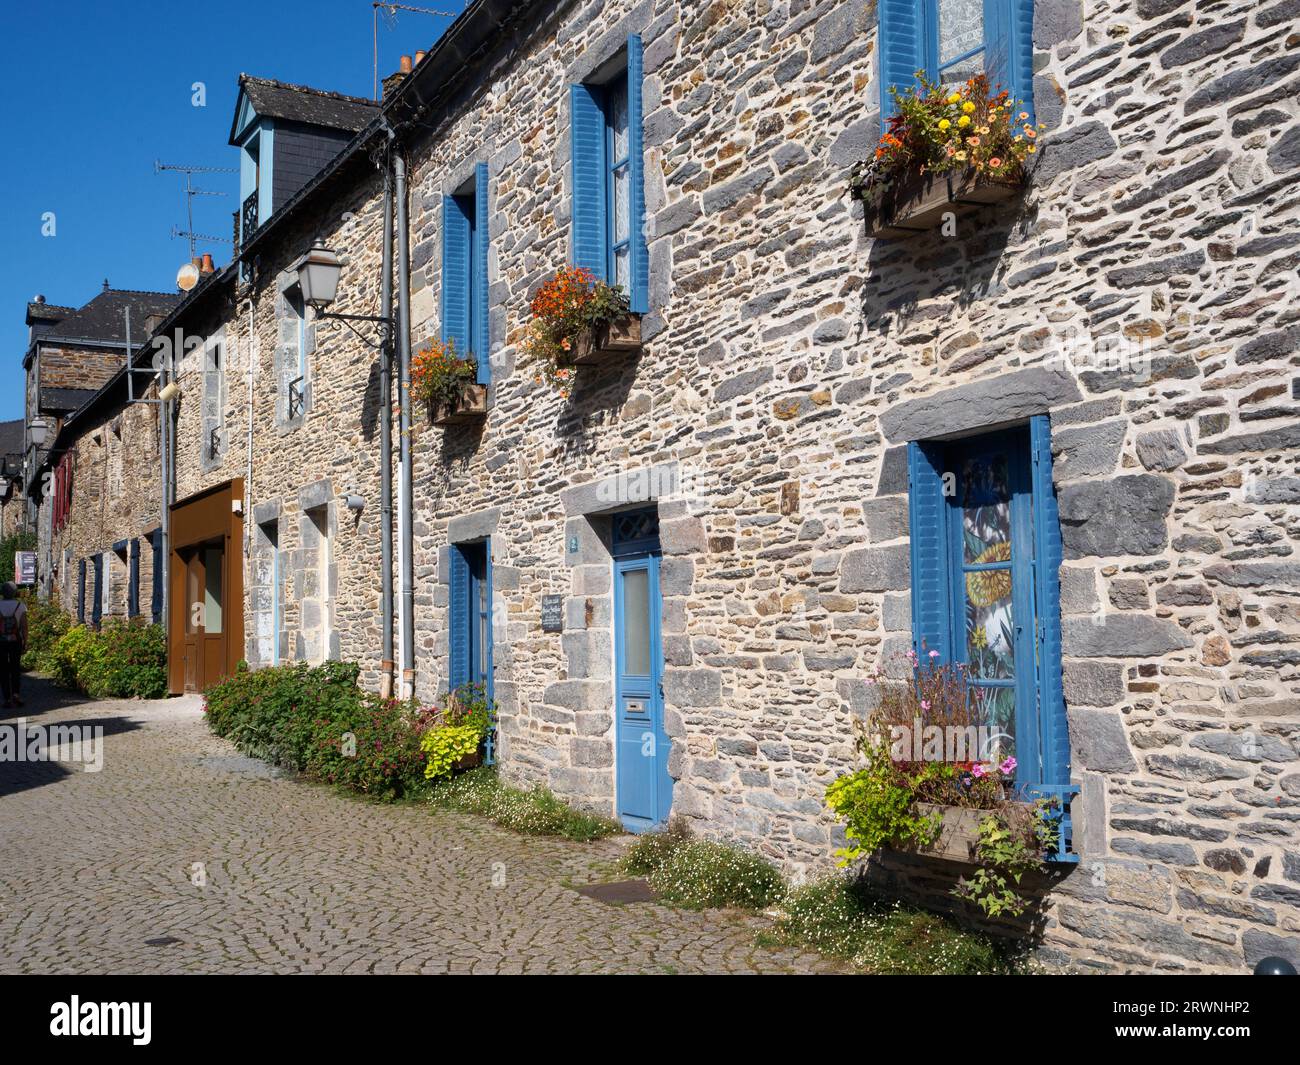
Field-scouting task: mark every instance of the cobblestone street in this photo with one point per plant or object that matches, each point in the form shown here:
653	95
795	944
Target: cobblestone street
94	865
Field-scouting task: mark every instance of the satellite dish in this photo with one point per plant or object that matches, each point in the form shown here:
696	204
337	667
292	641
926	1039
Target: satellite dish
187	277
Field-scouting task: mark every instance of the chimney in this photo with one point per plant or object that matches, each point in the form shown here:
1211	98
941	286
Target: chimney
419	58
395	79
207	266
105	284
152	322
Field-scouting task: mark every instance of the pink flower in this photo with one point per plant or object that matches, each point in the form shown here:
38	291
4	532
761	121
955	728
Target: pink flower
925	704
978	770
1008	767
934	654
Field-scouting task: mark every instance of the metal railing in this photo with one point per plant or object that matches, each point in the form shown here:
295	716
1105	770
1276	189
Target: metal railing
248	220
297	397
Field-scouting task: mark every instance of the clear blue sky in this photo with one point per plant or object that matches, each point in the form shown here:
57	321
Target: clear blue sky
94	92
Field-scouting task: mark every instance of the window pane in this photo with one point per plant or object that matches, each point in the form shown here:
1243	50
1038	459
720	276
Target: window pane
212	591
618	119
622	204
961	28
995	710
990	639
985	509
623	269
636	623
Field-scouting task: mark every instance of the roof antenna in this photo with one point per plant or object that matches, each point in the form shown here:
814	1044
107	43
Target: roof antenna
390	20
190	193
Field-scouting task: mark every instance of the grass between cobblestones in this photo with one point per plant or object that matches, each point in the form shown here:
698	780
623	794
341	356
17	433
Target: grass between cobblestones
535	812
837	916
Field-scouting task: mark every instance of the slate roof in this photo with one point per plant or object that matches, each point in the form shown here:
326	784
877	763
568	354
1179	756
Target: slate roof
103	318
11	437
302	103
47	312
63	400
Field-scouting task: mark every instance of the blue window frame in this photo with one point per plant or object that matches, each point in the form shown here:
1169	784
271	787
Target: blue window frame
133	582
156	603
469	639
986	555
97	604
465	271
81	591
609	179
952	40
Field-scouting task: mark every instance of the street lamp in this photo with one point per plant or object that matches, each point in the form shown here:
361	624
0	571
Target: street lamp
318	280
38	431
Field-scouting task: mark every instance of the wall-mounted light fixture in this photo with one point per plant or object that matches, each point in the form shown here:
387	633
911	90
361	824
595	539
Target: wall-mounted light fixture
318	279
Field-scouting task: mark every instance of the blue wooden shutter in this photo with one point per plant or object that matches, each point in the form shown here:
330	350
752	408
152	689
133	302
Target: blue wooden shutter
640	294
931	615
901	54
587	137
156	539
479	288
81	591
1054	778
455	274
1020	62
133	585
97	607
458	620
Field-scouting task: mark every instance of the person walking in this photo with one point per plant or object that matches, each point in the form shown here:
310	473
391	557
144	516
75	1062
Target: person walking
13	642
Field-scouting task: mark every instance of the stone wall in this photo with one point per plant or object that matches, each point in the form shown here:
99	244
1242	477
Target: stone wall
1138	294
296	470
116	497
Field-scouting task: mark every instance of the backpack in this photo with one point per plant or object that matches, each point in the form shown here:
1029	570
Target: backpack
9	622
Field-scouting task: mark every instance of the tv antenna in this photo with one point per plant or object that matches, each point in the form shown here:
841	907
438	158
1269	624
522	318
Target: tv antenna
390	20
190	193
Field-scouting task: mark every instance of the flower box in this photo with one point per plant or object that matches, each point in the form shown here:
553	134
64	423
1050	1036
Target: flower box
959	833
469	406
918	202
604	341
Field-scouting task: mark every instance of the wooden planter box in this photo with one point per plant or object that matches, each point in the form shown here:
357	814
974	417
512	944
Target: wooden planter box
919	202
958	835
470	406
470	760
608	340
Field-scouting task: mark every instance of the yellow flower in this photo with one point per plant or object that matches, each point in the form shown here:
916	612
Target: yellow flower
979	638
960	157
944	123
1031	149
954	98
964	121
968	107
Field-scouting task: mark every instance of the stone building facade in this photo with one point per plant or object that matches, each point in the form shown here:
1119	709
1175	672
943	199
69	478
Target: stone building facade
1138	296
1131	312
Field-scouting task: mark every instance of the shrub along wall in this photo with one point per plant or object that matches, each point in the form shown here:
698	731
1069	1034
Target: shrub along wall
122	660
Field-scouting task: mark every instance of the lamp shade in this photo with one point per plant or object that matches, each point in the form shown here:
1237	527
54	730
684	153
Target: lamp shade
38	430
318	275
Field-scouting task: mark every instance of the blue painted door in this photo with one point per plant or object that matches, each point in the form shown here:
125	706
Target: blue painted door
644	786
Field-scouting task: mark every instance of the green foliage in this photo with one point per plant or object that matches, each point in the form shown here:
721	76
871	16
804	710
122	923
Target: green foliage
75	655
536	812
1010	845
878	802
9	545
127	661
841	917
445	745
701	874
46	625
317	721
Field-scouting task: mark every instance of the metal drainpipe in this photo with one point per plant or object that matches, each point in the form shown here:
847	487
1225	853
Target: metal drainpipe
404	422
386	430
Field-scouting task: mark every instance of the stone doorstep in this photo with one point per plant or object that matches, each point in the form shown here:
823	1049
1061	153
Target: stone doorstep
470	406
921	202
606	341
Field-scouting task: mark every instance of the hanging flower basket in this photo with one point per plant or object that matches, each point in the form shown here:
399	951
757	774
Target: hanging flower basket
918	202
944	151
603	341
469	404
959	832
578	320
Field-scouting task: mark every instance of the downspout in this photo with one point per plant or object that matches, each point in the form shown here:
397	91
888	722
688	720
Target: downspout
386	429
404	423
